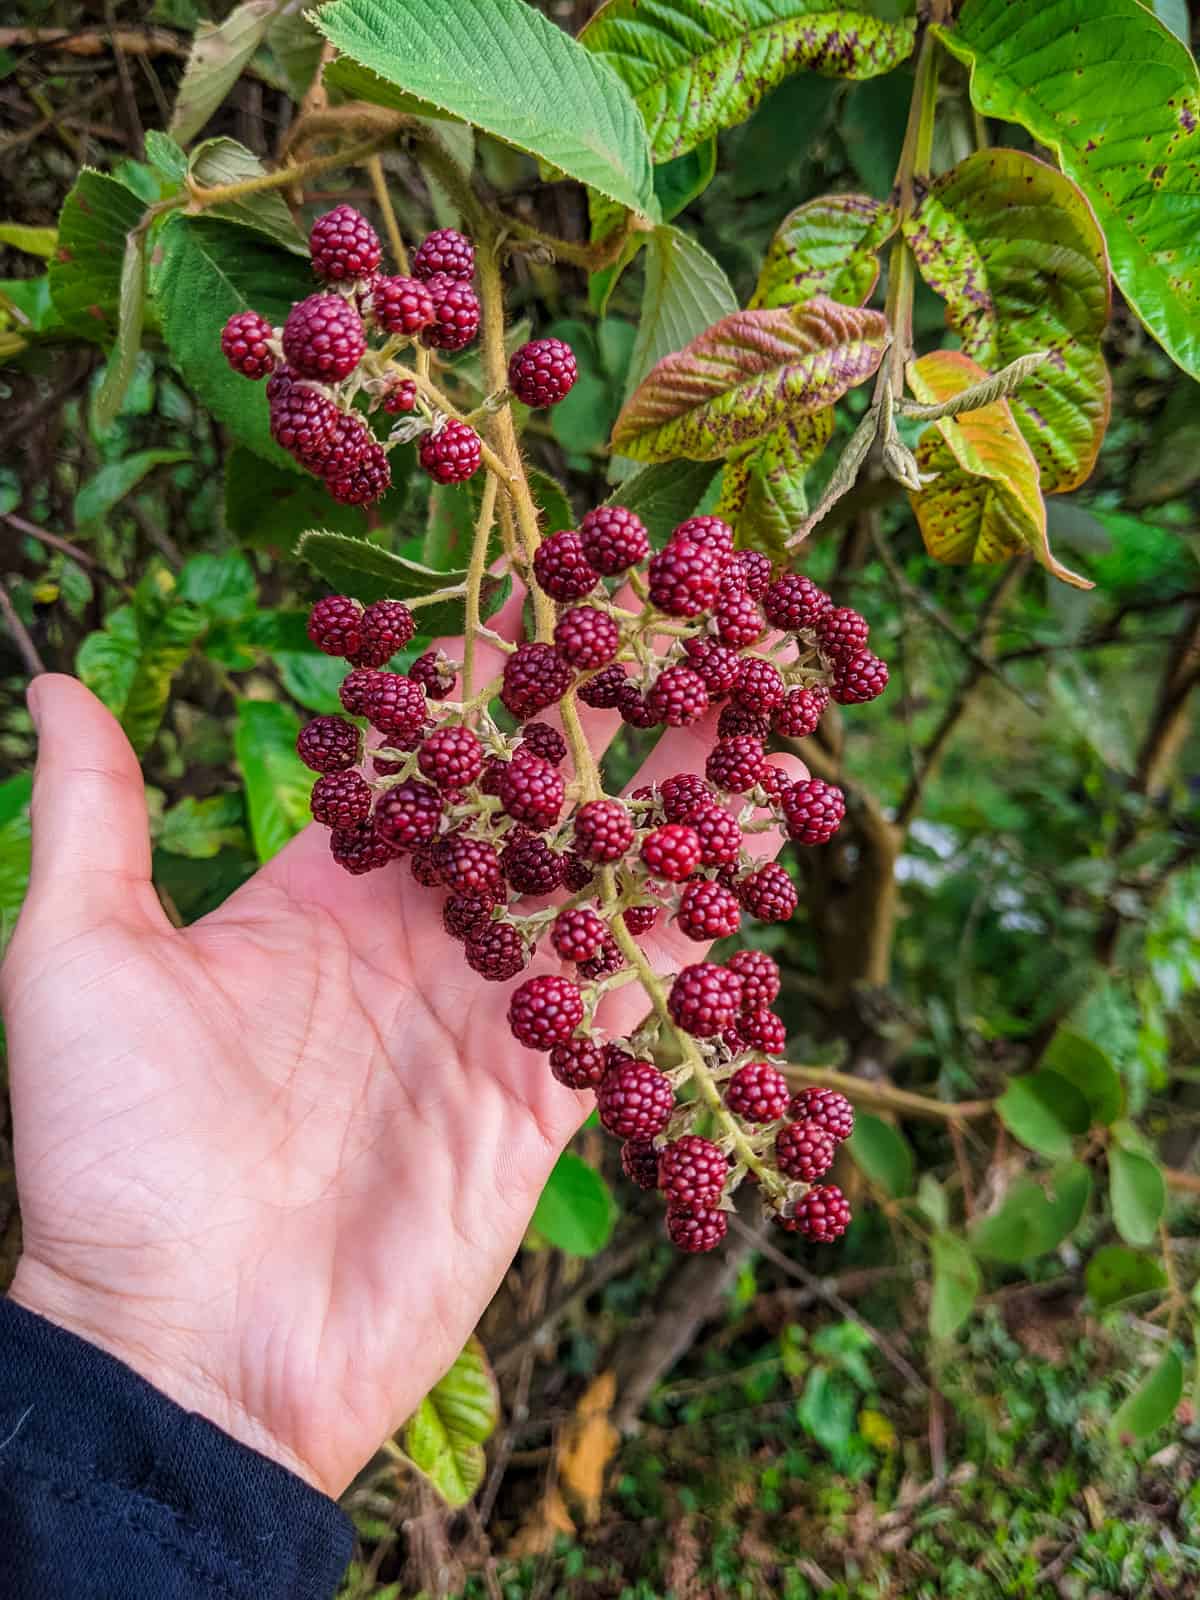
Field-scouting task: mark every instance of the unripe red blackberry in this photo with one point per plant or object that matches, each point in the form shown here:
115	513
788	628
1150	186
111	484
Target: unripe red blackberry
352	691
769	894
401	305
739	620
735	764
470	866
804	1151
696	1229
760	977
634	707
799	713
408	815
530	865
588	638
535	676
367	481
394	704
577	1063
603	691
542	372
451	757
577	873
614	539
560	568
812	811
858	678
544	1010
825	1108
335	625
603	831
750	571
735	722
639	1162
720	836
678	697
635	1100
329	744
445	251
717	664
349	443
822	1215
708	911
302	421
692	1172
540	739
344	245
496	952
794	602
422	863
387	626
452	454
455	314
705	999
607	959
246	344
341	799
434	672
710	533
401	398
359	849
639	919
532	791
465	914
760	686
685	795
323	338
757	1092
671	852
841	631
763	1030
577	934
683	579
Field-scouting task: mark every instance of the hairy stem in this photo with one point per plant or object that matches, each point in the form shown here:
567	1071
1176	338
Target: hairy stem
475	572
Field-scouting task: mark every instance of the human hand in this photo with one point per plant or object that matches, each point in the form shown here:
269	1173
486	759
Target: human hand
277	1161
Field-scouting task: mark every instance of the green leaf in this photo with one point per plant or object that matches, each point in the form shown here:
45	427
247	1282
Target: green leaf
220	54
1032	1219
1138	1194
85	274
221	161
222	586
685	293
33	241
109	486
269	507
746	376
957	1281
1129	138
200	829
664	495
278	784
677	183
444	1437
883	1153
131	661
575	1210
311	678
367	571
14	850
503	67
828	246
205	270
296	46
551	500
1076	1058
122	358
1014	249
763	493
1044	1112
166	156
695	67
1152	1404
1115	1273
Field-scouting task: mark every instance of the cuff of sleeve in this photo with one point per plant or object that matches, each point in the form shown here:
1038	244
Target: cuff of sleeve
76	1421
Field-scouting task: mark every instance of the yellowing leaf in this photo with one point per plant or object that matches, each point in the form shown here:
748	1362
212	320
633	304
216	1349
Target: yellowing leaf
589	1444
827	246
763	493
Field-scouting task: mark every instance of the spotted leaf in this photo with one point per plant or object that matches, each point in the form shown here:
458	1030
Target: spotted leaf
827	246
763	493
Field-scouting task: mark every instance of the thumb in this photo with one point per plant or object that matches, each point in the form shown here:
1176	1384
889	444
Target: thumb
91	834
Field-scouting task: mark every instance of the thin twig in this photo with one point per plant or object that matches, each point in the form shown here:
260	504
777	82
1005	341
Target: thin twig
33	662
383	200
54	540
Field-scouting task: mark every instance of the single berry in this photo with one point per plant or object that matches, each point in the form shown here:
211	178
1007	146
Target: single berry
683	579
435	673
577	1063
577	873
634	707
734	764
341	799
359	848
544	1010
394	704
578	934
711	533
401	398
696	1229
812	811
323	338
708	911
736	721
335	625
303	422
603	831
354	688
750	571
387	626
542	372
465	914
451	757
720	836
705	998
677	697
561	569
445	251
822	1215
717	664
535	676
347	445
455	315
452	454
841	631
739	620
606	960
804	1151
540	739
769	894
329	744
408	815
826	1108
586	637
602	692
692	1171
639	1162
367	481
757	1092
246	344
530	865
470	866
614	539
671	852
344	245
762	1030
496	952
760	978
639	919
424	867
799	712
635	1100
858	678
401	305
532	791
773	780
760	686
684	796
793	602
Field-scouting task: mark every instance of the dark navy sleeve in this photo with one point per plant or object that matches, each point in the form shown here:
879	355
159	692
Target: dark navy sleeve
110	1491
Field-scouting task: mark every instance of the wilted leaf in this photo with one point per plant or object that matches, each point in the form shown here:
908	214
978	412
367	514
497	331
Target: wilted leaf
828	246
589	1443
220	54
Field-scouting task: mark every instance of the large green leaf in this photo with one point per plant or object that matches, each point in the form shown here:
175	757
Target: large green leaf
1034	1218
1014	249
278	784
746	376
220	53
131	661
1152	1404
695	66
957	1281
685	292
444	1437
763	493
221	161
85	274
1045	1112
200	829
828	246
14	850
883	1153
270	507
575	1210
1138	1194
1083	1063
664	495
1117	98
1115	1273
503	67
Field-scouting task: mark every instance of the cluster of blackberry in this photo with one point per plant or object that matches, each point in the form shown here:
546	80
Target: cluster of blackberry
488	819
321	362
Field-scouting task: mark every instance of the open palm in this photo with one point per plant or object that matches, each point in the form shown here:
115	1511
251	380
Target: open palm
277	1161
